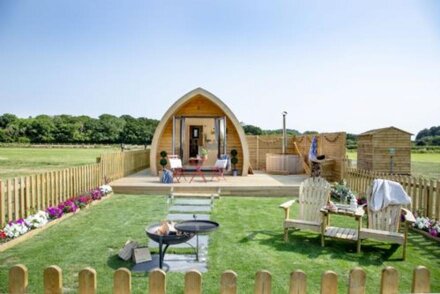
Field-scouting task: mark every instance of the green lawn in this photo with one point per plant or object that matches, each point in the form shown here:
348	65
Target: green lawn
25	161
249	239
422	164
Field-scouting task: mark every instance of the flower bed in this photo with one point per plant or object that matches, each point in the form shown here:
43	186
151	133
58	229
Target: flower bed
19	230
428	227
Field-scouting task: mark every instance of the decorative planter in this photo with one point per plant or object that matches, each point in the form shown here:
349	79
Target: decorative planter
426	234
30	234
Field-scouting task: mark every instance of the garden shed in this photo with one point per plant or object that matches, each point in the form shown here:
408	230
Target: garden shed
385	150
199	120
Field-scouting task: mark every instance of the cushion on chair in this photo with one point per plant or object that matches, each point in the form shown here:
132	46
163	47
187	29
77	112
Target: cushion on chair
221	163
175	163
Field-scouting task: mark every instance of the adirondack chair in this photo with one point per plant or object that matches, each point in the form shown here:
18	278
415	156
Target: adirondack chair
383	225
314	193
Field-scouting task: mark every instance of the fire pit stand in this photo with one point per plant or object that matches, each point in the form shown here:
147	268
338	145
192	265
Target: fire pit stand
166	240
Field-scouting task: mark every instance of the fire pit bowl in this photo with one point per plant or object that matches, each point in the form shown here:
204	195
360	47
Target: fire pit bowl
166	240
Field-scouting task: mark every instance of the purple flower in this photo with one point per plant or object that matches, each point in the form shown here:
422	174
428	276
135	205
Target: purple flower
96	194
54	212
433	232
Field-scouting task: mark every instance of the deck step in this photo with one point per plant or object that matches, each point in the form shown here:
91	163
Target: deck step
193	202
195	195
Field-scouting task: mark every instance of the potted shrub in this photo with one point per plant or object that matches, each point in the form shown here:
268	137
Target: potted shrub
234	161
204	153
163	161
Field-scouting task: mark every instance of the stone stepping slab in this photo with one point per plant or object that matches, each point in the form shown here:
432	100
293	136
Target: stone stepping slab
203	243
172	263
189	208
193	202
187	216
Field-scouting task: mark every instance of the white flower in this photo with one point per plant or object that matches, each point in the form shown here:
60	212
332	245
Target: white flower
105	189
37	220
13	230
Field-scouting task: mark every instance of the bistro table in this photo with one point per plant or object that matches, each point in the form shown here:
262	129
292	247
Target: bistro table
197	227
340	232
197	162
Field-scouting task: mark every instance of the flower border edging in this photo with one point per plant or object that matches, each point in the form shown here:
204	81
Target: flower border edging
426	234
30	234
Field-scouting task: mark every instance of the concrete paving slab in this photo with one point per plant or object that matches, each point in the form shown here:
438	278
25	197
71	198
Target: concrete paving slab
203	243
190	208
187	216
172	263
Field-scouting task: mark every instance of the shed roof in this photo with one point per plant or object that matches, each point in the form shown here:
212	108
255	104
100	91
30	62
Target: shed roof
375	131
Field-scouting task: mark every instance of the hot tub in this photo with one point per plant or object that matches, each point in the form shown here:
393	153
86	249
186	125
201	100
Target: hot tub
286	164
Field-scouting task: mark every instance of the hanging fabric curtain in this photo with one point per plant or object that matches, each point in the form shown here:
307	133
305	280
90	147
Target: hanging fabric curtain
182	136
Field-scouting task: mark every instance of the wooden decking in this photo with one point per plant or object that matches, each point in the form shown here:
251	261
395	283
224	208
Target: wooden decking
259	184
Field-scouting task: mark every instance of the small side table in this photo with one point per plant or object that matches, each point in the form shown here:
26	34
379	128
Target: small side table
339	232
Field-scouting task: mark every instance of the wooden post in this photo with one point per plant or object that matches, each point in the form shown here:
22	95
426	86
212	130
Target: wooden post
87	281
2	206
16	199
53	280
23	211
157	282
430	190
357	280
18	279
329	283
389	283
298	282
193	282
228	283
437	200
122	281
263	283
421	280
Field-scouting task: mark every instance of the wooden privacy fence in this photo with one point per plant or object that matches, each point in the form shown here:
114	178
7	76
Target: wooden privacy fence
22	196
424	193
332	145
87	281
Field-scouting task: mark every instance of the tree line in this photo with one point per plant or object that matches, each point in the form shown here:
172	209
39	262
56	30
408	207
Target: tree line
428	137
106	129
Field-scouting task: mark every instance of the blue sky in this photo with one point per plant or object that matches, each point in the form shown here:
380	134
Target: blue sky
333	65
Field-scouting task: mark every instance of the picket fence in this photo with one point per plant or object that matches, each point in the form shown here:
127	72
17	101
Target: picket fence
425	193
22	196
87	281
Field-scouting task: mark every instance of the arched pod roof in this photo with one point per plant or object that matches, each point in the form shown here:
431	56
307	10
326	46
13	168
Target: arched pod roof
181	102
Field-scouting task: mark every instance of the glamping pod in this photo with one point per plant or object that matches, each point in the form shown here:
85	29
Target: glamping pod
197	124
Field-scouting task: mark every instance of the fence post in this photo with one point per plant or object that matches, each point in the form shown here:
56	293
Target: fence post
263	283
356	283
122	281
298	282
2	206
87	281
193	282
18	279
389	283
53	280
421	280
228	283
329	283
157	282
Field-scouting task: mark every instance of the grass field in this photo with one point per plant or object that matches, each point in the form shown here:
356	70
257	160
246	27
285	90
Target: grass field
422	164
25	161
250	238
